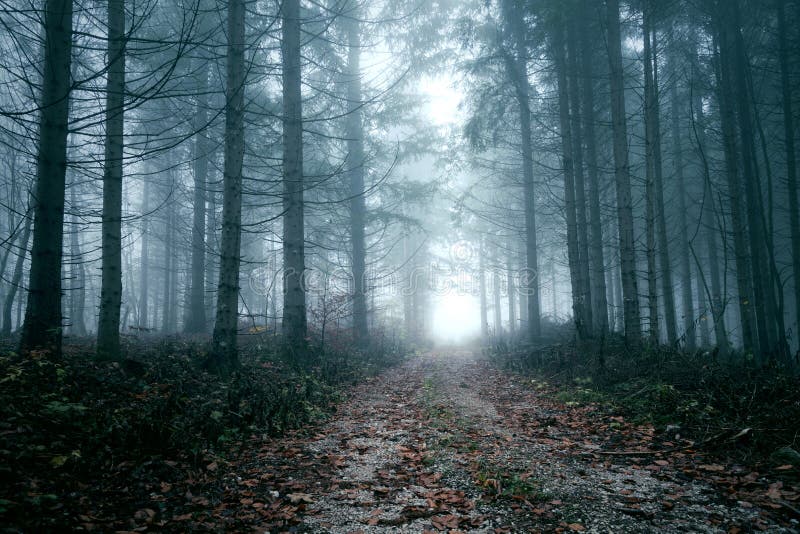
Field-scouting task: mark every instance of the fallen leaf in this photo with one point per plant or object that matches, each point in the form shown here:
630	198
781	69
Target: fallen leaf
297	498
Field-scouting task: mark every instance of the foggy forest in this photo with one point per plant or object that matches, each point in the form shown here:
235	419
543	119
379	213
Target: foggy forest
399	266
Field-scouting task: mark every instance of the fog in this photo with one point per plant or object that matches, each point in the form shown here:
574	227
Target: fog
431	171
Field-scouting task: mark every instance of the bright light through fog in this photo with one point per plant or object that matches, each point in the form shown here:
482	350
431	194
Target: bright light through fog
442	100
456	318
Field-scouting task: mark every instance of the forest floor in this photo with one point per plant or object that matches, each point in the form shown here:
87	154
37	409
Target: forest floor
446	442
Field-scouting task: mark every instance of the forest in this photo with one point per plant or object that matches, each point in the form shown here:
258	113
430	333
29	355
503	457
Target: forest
399	266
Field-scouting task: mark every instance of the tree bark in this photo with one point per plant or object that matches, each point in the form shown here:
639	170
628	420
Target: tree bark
789	146
710	228
622	177
16	280
756	234
650	183
484	301
111	269
355	164
568	164
224	356
294	297
574	99
43	328
596	257
144	262
517	66
744	278
77	277
196	316
661	212
687	303
512	293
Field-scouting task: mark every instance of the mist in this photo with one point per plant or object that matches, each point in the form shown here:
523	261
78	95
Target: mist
337	185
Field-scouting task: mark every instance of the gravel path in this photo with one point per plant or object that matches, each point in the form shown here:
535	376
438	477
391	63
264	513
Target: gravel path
447	443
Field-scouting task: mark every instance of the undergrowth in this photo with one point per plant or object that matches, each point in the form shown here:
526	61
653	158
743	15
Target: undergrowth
730	406
64	421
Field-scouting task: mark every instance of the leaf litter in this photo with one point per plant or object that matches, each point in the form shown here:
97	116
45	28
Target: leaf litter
447	443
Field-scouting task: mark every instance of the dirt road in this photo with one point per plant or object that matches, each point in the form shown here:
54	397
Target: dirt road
447	443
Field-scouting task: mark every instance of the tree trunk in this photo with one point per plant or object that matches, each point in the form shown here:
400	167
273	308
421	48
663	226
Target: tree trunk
789	145
77	286
517	67
661	213
574	100
512	294
355	164
523	293
294	297
166	308
650	182
622	178
755	227
16	280
743	274
213	253
196	316
484	303
111	285
567	154
224	356
707	216
687	304
12	224
144	274
496	294
596	258
42	327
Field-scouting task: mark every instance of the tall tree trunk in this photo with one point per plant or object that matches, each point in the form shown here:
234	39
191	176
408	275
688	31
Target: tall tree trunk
596	258
791	157
517	66
355	163
687	304
661	212
16	280
224	356
42	327
212	243
622	176
11	212
568	163
294	297
522	291
196	314
755	227
512	293
484	301
744	278
496	294
708	219
574	99
144	262
77	276
172	319
111	285
650	181
166	307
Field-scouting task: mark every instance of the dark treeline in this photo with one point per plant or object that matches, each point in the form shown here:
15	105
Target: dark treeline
222	168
